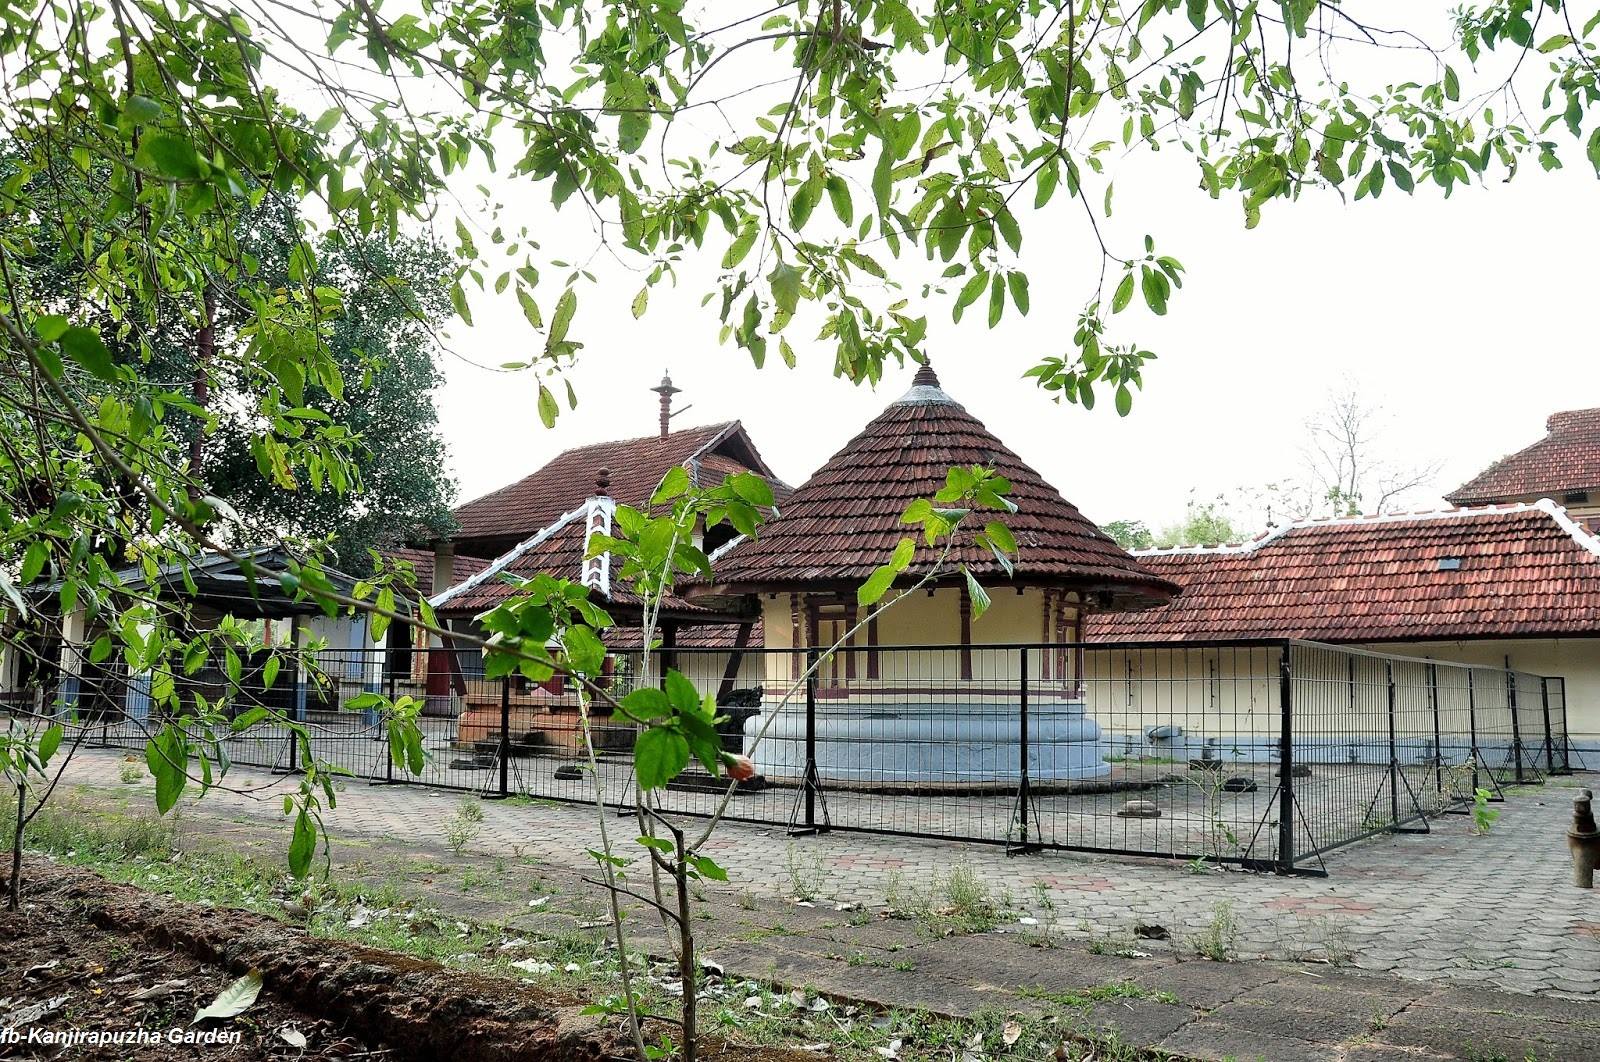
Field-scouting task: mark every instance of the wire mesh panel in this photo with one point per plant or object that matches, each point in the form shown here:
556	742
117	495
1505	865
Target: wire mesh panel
1555	693
1258	753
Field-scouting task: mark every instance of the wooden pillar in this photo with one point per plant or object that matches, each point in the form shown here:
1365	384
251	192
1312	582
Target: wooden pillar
1046	597
730	674
796	663
872	653
966	634
849	625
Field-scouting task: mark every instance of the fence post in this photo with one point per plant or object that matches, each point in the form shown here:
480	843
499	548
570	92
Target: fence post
1472	726
1023	810
811	739
296	706
1394	755
388	756
803	816
1285	762
504	753
1438	739
1549	738
1516	724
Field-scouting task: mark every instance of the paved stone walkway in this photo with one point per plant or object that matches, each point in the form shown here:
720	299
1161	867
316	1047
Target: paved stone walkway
1494	911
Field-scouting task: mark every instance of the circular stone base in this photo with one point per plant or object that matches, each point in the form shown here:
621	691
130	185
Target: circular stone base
929	745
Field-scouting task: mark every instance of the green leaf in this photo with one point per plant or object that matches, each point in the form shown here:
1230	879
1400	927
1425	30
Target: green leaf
741	244
1123	294
707	867
1018	283
1001	535
49	742
659	756
458	302
549	409
33	561
302	844
839	196
641	302
646	703
752	488
247	719
561	320
681	692
585	651
142	109
84	346
170	157
50	326
977	595
167	756
785	280
675	484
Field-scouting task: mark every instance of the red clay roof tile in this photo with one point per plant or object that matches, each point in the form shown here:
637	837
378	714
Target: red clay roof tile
1525	571
845	520
1567	459
502	518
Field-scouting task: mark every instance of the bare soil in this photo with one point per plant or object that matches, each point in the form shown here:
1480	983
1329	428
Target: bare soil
104	956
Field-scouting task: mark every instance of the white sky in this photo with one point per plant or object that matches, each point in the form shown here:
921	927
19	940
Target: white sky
1469	320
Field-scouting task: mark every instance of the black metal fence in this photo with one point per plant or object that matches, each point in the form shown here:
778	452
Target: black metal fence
1265	754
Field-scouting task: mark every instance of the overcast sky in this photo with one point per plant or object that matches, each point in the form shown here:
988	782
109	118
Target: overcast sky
1469	320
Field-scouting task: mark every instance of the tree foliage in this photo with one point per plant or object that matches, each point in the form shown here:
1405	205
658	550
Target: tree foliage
1203	524
793	165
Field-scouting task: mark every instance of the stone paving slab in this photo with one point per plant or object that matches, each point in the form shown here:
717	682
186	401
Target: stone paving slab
1447	1006
1495	910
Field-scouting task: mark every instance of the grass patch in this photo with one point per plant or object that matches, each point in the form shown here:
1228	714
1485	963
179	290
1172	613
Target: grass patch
955	904
1088	997
143	850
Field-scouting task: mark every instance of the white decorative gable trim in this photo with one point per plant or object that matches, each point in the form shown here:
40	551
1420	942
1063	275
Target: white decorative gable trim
1584	538
597	569
506	559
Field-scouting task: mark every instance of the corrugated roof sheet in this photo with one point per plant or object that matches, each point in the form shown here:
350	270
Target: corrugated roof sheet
1524	571
845	520
1567	459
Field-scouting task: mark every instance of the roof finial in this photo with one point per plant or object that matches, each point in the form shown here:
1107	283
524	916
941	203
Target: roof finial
602	482
925	376
666	391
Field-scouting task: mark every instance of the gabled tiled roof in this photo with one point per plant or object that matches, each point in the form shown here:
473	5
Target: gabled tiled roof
845	520
558	549
496	520
1566	459
1517	571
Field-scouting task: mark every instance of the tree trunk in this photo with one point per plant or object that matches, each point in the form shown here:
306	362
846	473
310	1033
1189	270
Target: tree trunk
14	894
205	347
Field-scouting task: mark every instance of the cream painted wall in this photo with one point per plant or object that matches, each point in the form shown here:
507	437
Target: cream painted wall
932	620
1575	659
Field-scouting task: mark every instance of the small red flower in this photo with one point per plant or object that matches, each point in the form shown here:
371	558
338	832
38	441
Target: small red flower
741	768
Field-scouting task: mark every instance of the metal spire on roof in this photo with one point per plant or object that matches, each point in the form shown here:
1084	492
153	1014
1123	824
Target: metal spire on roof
666	391
925	388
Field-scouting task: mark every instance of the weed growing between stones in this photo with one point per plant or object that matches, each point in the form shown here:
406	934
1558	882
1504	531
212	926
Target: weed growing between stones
462	827
1219	940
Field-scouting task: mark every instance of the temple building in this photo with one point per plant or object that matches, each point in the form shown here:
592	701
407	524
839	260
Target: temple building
543	523
1563	467
954	720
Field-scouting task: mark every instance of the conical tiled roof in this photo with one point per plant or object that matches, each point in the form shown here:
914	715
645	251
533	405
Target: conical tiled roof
845	520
